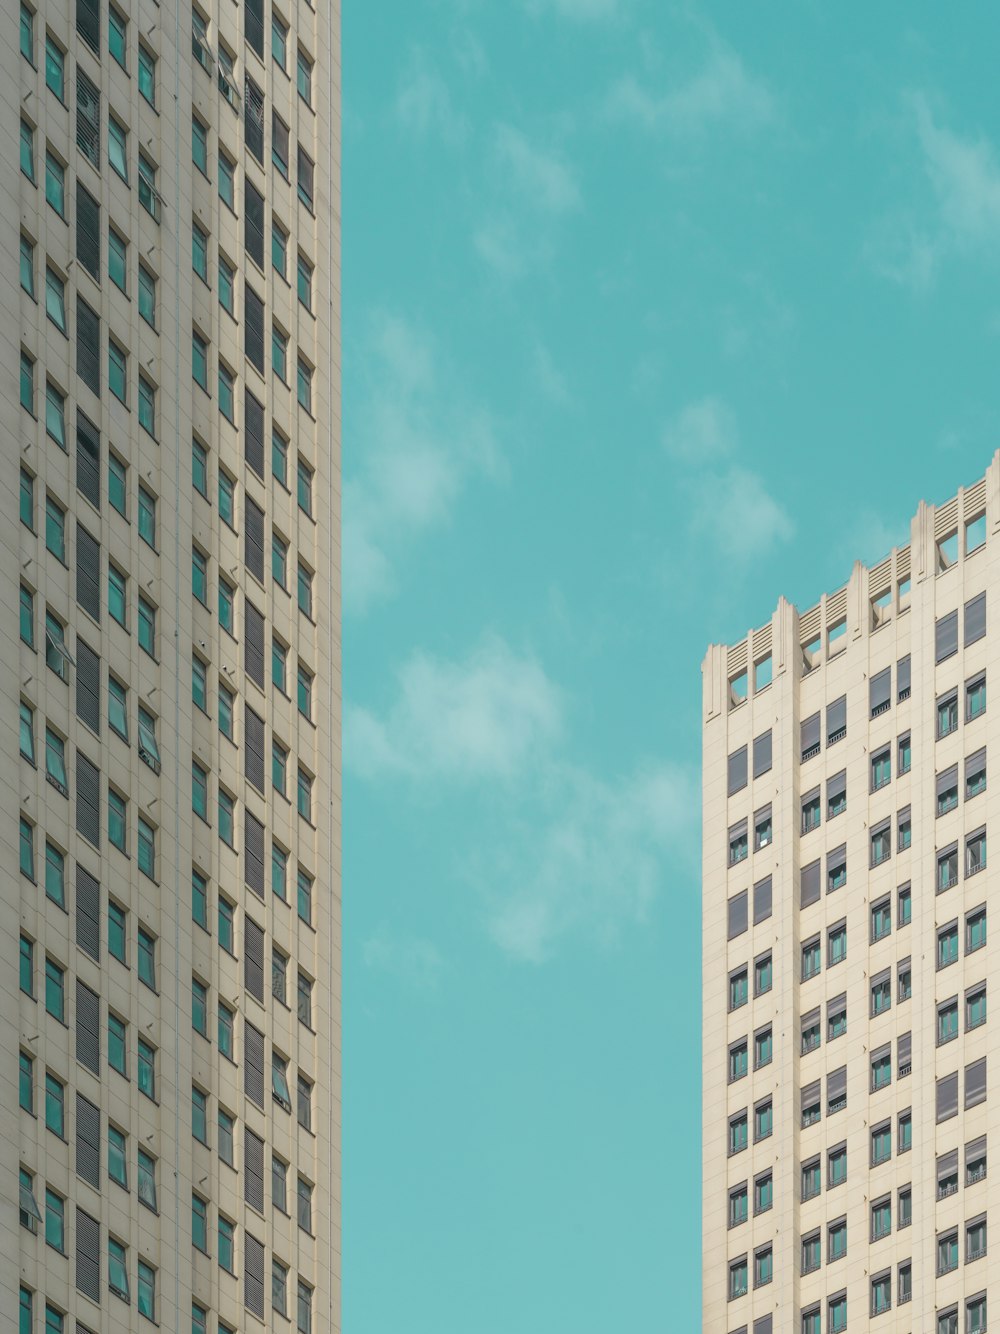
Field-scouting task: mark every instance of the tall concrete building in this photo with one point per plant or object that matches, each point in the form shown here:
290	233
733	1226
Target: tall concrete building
172	799
850	1096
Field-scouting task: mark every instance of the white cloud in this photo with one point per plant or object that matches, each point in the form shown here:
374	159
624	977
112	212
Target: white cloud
417	963
575	9
485	717
701	432
738	516
596	863
420	440
722	92
424	104
542	179
966	180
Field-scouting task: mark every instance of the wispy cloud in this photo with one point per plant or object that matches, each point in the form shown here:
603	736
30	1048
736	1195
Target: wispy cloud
730	508
594	864
484	717
424	104
564	853
701	433
420	440
416	963
722	92
540	176
586	10
909	244
532	185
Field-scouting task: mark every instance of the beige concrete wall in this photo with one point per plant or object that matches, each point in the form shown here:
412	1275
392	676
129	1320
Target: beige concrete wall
793	696
163	684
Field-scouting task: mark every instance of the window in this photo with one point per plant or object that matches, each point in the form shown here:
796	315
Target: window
975	698
147	296
947	1321
881	1068
147	406
881	1214
279	766
27	150
881	768
55	761
975	852
226	818
227	929
279	353
199	790
55	1221
305	684
304	1311
836	944
227	1019
28	51
199	251
117	1044
279	560
837	1166
55	529
118	484
227	393
227	705
147	1290
147	848
737	1060
27	500
279	458
27	265
199	360
975	774
881	1138
904	1132
763	1121
881	919
303	77
55	299
947	714
304	275
147	627
738	846
199	144
117	259
55	990
762	975
763	1266
905	988
28	732
304	382
975	1006
147	75
975	1161
947	868
836	1017
810	811
26	1083
811	1183
55	68
279	975
279	248
27	382
147	1180
836	869
227	285
947	790
199	1223
199	575
947	1253
55	414
279	40
199	1115
147	958
117	595
30	1216
117	820
279	1183
304	895
148	196
881	993
199	1007
117	371
279	1287
117	1157
305	178
55	1105
975	1239
227	180
975	930
147	1069
118	147
117	36
975	1314
304	795
904	829
738	1278
880	839
27	848
226	1128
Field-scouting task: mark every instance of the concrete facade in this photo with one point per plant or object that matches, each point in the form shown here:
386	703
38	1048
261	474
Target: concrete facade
845	873
172	803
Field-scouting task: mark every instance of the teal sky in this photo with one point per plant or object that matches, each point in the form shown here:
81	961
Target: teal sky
651	313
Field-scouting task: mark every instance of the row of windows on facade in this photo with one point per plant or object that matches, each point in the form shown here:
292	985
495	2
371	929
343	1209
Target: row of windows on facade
88	1140
120	46
880	774
880	609
811	1317
880	1077
946	862
88	1253
88	104
880	1289
88	1045
880	1002
947	953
